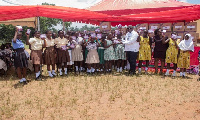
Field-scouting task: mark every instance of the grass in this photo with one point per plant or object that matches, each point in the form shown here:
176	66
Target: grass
101	97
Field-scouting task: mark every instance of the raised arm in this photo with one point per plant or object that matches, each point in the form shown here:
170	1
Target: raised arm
27	39
98	44
139	39
105	44
165	41
15	37
85	44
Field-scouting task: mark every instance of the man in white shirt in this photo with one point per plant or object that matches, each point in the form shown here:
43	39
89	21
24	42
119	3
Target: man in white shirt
131	42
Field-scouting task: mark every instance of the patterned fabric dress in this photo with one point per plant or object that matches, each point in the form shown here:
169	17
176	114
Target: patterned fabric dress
109	53
86	51
172	52
184	60
145	49
119	52
100	51
77	54
92	56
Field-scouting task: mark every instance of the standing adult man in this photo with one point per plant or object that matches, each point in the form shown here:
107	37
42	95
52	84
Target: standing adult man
131	42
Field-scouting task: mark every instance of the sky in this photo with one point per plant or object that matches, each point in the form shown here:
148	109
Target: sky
191	1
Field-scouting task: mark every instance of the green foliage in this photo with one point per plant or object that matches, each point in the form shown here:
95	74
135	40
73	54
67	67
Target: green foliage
91	28
7	33
48	23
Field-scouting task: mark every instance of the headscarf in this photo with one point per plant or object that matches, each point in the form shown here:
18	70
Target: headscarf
174	36
187	44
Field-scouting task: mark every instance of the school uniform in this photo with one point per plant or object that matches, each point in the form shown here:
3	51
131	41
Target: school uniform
36	50
50	52
62	53
92	56
20	59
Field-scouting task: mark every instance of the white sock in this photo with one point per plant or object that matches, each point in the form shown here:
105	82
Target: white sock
76	68
139	69
181	74
174	73
167	73
60	70
53	72
81	68
117	69
24	79
120	69
65	71
21	80
146	68
93	70
37	74
125	68
50	74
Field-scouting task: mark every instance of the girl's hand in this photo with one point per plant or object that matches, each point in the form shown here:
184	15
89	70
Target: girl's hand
16	29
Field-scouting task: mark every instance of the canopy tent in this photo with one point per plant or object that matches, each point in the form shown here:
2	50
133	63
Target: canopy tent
126	7
65	13
187	14
29	22
86	16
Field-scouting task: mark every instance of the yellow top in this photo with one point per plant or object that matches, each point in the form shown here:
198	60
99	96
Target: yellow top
50	43
36	43
61	42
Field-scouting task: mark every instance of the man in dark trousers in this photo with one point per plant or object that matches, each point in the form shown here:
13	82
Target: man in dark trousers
131	42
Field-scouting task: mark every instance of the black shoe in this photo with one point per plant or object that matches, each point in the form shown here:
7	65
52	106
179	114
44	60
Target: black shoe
25	82
131	73
38	78
183	76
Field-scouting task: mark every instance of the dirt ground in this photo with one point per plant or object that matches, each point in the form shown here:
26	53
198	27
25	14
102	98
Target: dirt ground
105	97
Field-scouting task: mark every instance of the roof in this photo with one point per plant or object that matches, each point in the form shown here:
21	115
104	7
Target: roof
105	5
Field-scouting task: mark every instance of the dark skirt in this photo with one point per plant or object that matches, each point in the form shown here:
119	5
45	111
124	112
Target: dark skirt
36	57
63	56
50	56
20	58
160	54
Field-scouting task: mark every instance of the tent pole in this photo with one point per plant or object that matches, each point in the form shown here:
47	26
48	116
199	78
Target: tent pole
38	25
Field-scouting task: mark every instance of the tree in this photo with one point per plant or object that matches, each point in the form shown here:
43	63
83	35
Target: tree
7	32
49	23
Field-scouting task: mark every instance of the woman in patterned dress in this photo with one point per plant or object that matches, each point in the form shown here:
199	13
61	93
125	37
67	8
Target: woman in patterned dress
77	52
120	54
109	54
145	50
100	51
171	53
186	46
92	57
